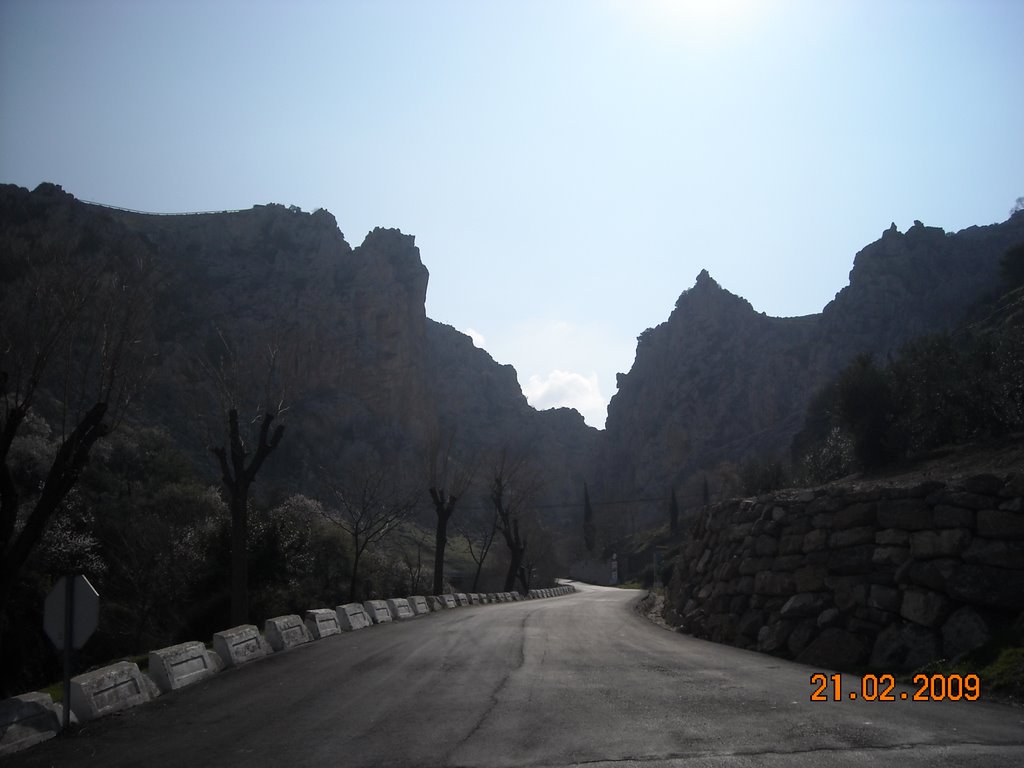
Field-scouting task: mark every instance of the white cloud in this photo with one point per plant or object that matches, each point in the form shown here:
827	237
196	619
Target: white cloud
478	338
566	389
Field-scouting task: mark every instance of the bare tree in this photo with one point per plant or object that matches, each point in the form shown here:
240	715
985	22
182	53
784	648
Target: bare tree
479	532
413	564
514	487
247	445
74	345
589	529
449	480
369	506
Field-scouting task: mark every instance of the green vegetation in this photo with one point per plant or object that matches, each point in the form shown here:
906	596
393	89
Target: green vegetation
941	390
999	667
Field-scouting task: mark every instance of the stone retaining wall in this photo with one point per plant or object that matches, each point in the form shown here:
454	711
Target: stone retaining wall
882	577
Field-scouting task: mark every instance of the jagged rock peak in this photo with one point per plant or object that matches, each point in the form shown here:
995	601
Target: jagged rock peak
706	293
705	280
385	240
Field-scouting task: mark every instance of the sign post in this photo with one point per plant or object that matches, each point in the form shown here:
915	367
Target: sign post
70	615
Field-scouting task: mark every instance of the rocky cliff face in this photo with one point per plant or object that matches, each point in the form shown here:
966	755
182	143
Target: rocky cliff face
360	366
718	382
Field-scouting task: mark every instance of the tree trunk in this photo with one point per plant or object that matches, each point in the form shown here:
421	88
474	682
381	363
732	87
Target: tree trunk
444	505
61	478
239	556
516	552
440	542
514	564
237	477
354	586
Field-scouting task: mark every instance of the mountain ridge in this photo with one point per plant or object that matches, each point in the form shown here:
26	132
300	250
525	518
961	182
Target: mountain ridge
718	382
715	383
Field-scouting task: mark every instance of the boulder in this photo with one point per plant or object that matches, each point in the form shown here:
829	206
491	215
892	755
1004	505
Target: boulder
963	632
834	648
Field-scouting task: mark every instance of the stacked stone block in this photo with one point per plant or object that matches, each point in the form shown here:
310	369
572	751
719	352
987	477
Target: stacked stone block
886	577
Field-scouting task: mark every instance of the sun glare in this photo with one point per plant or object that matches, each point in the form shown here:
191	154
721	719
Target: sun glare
695	19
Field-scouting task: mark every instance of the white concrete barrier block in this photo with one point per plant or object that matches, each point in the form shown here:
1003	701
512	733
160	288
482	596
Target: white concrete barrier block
240	644
435	603
184	664
461	598
378	611
474	598
419	605
27	720
399	608
110	689
284	632
322	622
449	601
352	616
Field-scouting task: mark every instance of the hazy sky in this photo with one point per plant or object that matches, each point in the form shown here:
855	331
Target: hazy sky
567	167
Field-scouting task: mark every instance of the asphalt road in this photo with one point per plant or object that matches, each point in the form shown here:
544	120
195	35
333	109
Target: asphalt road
574	680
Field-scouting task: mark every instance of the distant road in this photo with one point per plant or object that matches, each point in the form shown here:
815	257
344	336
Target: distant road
575	680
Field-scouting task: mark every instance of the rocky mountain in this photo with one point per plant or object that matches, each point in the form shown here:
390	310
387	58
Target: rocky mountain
718	382
365	372
361	368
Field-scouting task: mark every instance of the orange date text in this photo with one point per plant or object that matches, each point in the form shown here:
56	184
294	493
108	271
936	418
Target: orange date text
951	687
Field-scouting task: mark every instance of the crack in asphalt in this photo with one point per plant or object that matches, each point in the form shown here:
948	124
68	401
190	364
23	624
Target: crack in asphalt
495	694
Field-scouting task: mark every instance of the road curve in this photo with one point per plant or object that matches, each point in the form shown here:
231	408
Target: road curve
574	680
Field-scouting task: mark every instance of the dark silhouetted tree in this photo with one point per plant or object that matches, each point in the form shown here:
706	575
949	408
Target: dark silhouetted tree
513	488
75	339
1011	267
589	529
866	409
449	480
368	506
248	381
479	533
239	468
673	513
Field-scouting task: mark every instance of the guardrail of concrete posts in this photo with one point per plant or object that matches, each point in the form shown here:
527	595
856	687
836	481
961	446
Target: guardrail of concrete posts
419	605
461	598
378	611
27	720
322	622
239	645
184	664
352	616
284	632
399	608
474	598
110	689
